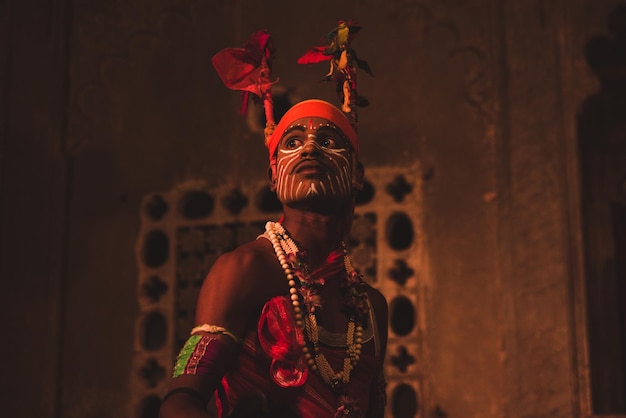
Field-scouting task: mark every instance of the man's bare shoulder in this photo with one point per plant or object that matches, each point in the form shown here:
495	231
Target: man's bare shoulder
238	285
249	271
253	256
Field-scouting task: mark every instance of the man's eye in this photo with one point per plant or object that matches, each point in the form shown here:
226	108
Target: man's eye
328	142
292	143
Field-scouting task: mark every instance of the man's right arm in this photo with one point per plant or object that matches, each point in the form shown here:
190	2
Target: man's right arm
225	305
189	394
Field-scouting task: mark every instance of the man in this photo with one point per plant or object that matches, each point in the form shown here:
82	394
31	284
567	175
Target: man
287	328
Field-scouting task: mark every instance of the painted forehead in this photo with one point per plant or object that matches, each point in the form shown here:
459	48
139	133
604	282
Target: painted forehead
315	124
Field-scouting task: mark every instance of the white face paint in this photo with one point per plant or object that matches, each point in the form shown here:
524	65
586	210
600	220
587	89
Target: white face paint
313	162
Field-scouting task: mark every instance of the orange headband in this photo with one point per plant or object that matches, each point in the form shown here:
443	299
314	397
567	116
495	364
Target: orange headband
312	108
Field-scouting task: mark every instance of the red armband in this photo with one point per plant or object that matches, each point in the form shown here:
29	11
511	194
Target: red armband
205	355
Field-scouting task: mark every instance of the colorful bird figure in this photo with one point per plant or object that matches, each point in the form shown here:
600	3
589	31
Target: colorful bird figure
340	36
343	63
340	40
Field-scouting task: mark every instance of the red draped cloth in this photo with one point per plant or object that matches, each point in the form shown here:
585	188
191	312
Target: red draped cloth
272	374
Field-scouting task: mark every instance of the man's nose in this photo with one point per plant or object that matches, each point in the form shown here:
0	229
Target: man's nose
310	148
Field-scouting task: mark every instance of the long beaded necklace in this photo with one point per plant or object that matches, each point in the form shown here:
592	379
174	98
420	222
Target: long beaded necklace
304	296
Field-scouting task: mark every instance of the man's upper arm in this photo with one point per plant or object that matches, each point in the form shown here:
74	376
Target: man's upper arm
229	295
379	303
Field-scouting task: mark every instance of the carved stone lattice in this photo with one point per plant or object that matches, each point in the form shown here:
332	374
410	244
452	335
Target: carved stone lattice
402	360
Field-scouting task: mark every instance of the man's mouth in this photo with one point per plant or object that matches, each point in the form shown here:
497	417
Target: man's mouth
310	167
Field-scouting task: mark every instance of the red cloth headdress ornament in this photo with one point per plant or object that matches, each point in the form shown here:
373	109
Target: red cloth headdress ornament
248	69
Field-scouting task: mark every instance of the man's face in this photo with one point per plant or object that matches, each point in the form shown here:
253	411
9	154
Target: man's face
313	163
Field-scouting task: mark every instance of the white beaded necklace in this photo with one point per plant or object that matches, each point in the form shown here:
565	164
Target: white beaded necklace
305	318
